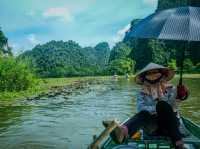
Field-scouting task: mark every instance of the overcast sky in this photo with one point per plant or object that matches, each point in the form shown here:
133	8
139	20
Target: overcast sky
27	23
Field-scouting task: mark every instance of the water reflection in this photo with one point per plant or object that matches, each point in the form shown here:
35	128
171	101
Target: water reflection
11	116
191	107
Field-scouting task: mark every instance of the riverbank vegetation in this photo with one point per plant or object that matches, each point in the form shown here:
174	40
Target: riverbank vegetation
44	86
15	75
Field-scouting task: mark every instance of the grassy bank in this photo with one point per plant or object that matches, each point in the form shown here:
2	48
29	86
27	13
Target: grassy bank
43	86
189	76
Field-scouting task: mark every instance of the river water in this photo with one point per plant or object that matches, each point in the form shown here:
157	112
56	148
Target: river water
70	122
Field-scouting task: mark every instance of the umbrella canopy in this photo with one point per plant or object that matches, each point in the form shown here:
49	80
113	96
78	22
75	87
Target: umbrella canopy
182	23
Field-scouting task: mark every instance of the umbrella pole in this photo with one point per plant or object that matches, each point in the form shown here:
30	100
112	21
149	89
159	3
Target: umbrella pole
182	62
181	69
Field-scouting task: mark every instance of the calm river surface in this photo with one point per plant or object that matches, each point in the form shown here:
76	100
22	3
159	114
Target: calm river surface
61	123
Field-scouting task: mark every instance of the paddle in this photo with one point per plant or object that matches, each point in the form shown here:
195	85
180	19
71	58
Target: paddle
105	133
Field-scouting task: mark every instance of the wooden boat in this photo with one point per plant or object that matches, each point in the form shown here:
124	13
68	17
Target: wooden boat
191	139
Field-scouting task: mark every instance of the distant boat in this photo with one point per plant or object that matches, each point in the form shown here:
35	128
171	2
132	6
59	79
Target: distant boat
115	77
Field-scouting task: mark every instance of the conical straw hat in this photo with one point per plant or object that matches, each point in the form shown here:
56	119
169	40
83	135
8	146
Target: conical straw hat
168	73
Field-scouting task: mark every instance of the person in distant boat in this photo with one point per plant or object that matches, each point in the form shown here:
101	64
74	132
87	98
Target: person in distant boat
115	76
126	76
157	112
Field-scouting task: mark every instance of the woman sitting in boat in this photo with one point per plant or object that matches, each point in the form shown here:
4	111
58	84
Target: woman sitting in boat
156	106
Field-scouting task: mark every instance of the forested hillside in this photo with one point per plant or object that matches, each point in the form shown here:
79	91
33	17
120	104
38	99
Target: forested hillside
62	59
164	4
5	50
120	61
164	52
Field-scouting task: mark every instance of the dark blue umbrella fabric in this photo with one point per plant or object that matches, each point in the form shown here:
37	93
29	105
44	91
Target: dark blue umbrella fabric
182	23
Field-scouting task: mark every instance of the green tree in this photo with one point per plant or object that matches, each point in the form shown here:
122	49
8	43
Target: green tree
188	65
120	51
159	55
194	3
102	53
194	52
166	4
121	66
142	53
197	68
14	75
172	64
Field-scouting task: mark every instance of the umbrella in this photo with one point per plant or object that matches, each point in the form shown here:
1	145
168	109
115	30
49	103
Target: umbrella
182	23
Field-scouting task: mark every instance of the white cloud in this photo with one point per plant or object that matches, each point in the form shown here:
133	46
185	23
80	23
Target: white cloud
61	13
121	33
16	48
32	39
14	45
150	2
